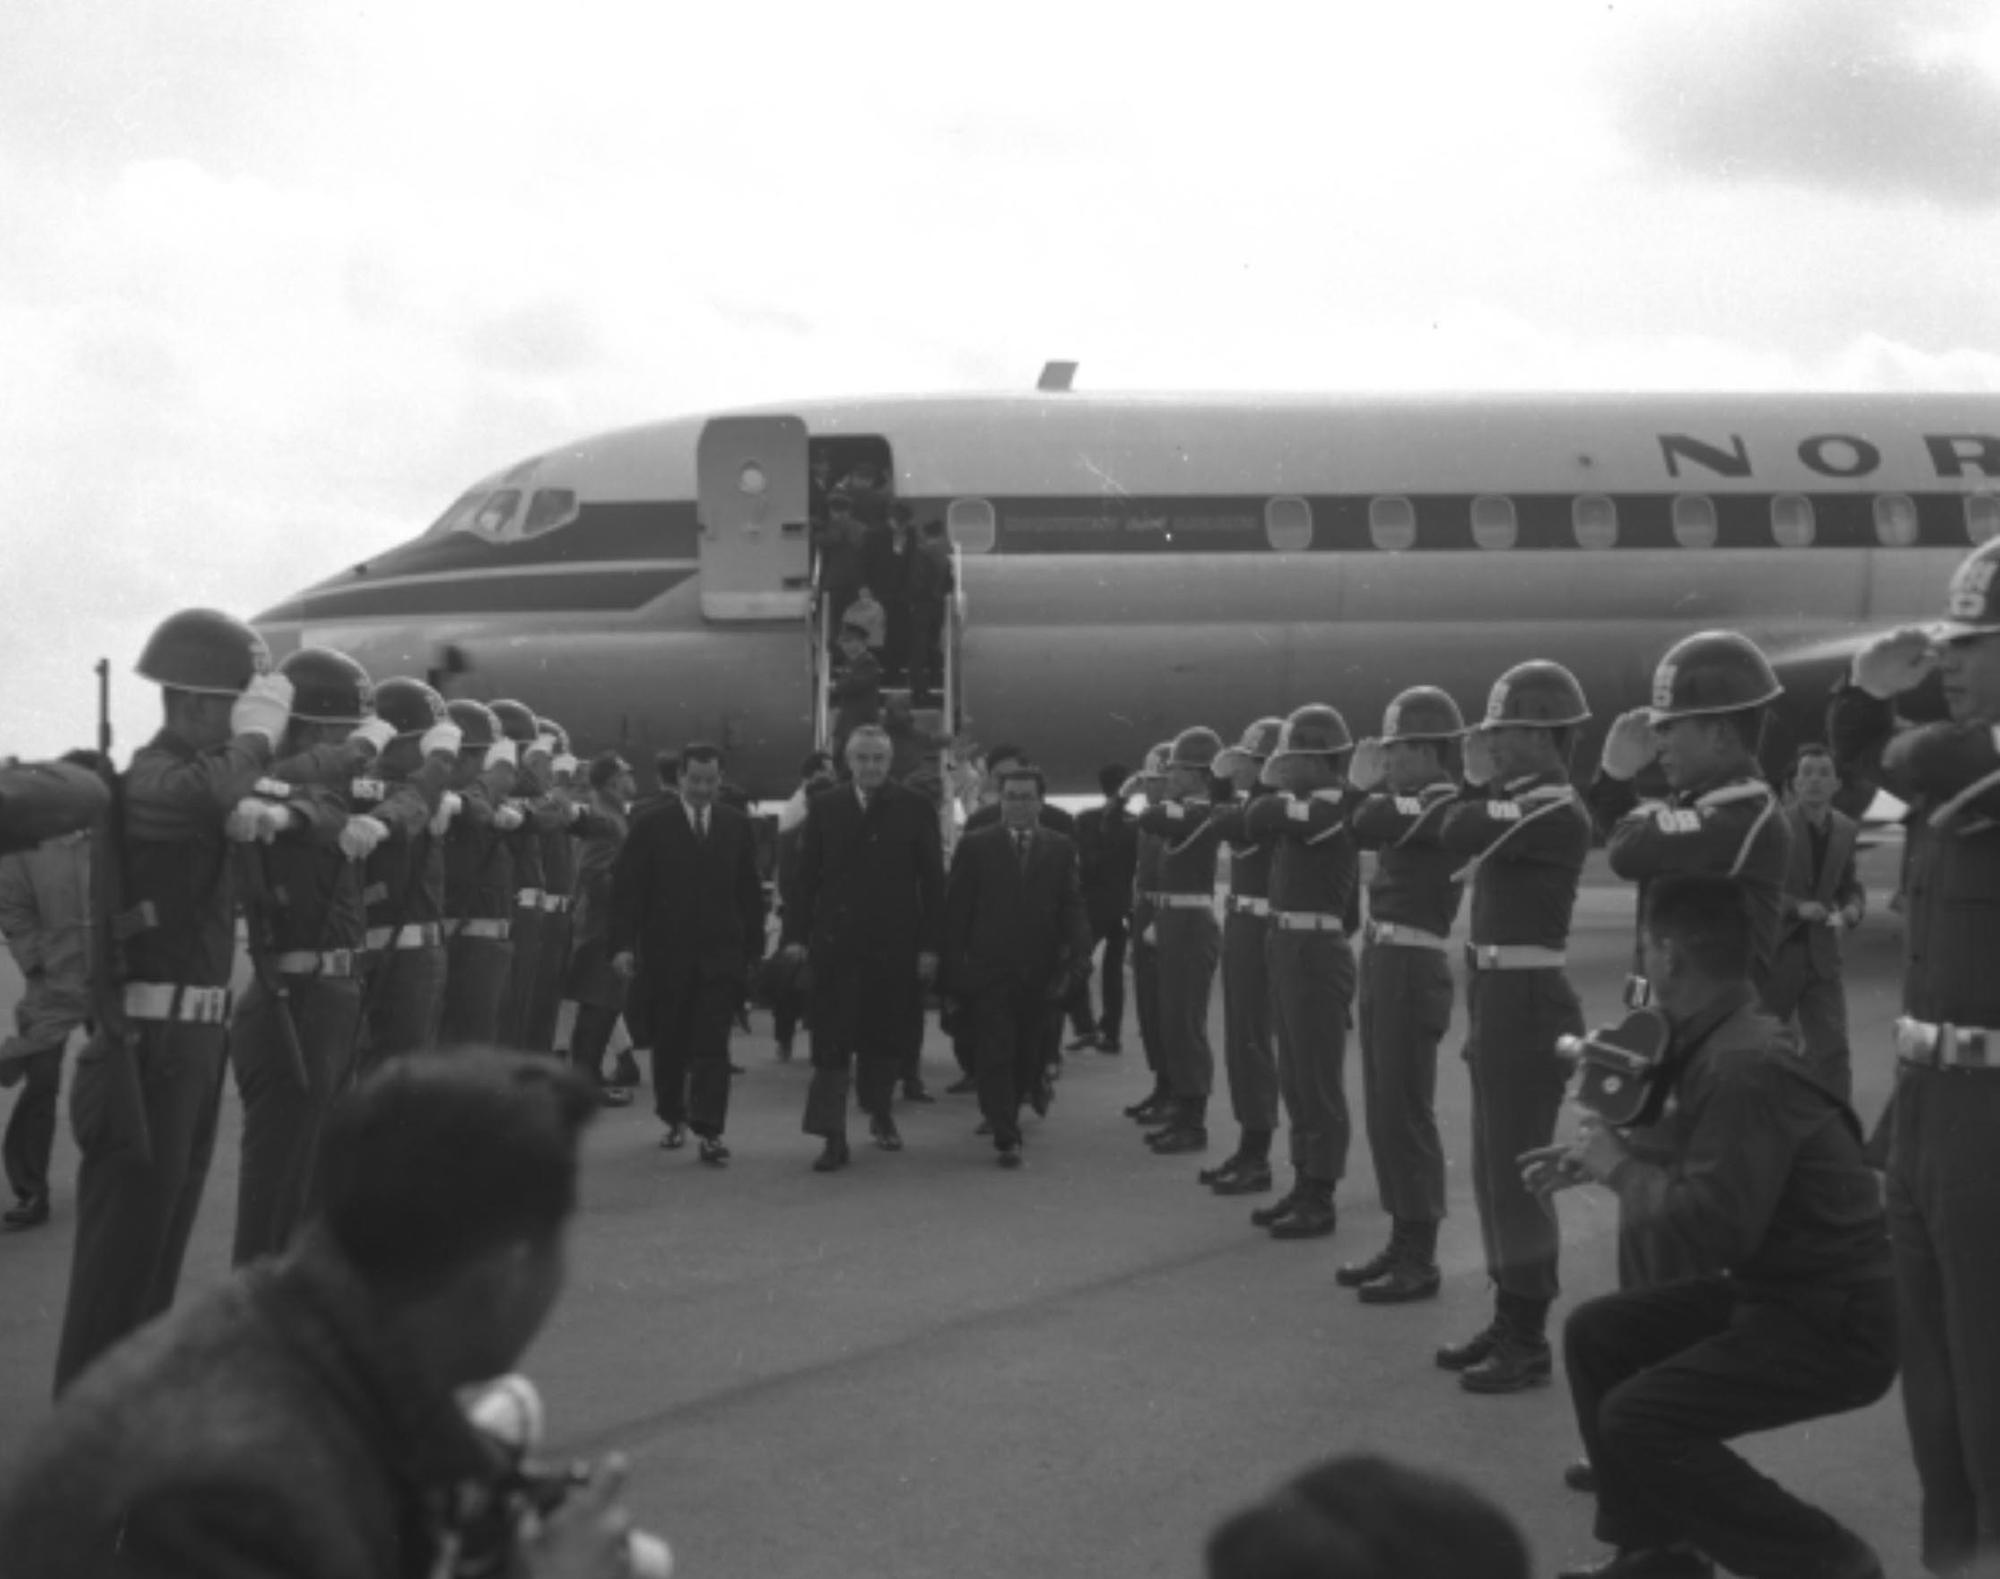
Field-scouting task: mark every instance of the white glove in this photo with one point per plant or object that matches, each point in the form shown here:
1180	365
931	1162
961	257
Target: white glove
449	805
375	733
264	708
545	744
576	810
442	740
503	751
1892	664
1369	766
508	817
1630	744
255	820
565	765
360	837
1479	764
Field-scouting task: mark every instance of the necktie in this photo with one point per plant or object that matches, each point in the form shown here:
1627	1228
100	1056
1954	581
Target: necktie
701	823
1021	850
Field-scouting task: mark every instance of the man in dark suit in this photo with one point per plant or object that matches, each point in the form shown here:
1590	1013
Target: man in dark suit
687	918
1823	900
1015	940
868	905
1107	843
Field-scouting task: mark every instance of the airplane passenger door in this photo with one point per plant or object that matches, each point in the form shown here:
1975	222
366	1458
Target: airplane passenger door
751	485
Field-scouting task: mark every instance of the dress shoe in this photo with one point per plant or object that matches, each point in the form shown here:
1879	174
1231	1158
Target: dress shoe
613	1096
959	1088
675	1137
1221	1170
1182	1138
1474	1351
1081	1043
913	1091
1407	1281
883	1133
1277	1211
627	1072
1010	1155
714	1153
1646	1562
1109	1044
32	1211
1516	1364
1150	1110
1579	1474
1253	1178
1040	1096
985	1127
834	1156
1313	1218
1356	1273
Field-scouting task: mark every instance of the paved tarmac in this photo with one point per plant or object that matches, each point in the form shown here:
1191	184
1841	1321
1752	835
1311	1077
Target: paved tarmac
924	1366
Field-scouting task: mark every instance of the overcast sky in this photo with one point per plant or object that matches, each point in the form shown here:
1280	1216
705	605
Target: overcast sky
277	281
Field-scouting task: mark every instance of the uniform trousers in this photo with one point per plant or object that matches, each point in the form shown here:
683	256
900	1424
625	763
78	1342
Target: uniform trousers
1190	946
1248	1057
1944	1229
911	1070
1010	1032
277	1186
691	1014
1111	979
31	1127
1797	988
518	1004
1146	1000
1405	1005
1517	1090
1312	989
134	1211
550	969
1662	1378
475	982
859	1011
403	1004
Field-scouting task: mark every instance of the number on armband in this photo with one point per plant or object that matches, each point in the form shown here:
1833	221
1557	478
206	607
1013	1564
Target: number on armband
1677	819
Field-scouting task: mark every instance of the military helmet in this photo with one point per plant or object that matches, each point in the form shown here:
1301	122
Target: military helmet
1539	694
478	728
1195	748
1156	761
517	720
410	705
1712	672
1314	730
1972	604
548	726
328	687
1422	713
1257	744
205	651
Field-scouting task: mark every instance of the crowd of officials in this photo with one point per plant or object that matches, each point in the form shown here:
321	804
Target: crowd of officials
416	874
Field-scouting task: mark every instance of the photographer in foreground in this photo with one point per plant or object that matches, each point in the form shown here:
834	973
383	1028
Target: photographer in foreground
304	1418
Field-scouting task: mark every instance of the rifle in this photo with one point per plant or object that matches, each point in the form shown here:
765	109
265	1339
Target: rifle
124	1123
260	916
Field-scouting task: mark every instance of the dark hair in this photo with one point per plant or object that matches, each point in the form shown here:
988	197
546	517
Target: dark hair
1111	778
606	766
667	766
1008	753
1022	770
440	1158
1707	917
818	762
699	751
1364	1517
1812	748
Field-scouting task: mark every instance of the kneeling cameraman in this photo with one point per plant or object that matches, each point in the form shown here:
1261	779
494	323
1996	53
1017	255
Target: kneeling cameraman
303	1418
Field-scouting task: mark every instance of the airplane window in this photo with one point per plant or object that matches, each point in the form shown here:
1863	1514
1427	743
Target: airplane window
1982	516
1288	525
1895	520
1694	520
458	518
1493	524
970	525
549	509
492	518
1792	520
1392	523
1594	518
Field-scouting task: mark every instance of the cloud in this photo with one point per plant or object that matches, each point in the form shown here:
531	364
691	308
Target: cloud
1848	96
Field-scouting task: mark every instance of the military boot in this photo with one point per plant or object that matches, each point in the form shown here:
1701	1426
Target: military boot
1251	1177
1413	1270
1281	1208
1314	1216
1355	1273
1520	1358
1475	1350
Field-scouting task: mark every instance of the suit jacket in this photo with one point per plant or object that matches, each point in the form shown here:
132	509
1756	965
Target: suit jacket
1108	847
678	900
1007	926
1837	887
870	886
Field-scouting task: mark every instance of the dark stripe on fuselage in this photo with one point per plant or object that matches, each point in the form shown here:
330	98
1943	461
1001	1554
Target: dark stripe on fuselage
531	592
645	529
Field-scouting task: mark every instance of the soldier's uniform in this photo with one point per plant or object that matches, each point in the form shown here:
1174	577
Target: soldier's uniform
1314	874
1405	1003
524	846
1944	1189
1157	1105
1248	1054
598	990
403	880
478	882
148	1088
1528	840
1189	943
558	841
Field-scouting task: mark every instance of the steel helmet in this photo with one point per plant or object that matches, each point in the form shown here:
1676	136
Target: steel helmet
1712	672
548	726
1314	730
478	728
1540	694
1972	604
517	721
1422	713
1257	744
328	687
410	705
1195	748
1154	769
205	651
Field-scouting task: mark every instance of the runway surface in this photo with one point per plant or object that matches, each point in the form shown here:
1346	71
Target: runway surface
927	1366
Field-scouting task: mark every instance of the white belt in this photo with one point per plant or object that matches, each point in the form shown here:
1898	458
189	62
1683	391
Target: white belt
485	928
555	904
529	899
1307	921
1399	935
1946	1046
333	963
1513	956
418	934
1250	904
162	1000
1186	902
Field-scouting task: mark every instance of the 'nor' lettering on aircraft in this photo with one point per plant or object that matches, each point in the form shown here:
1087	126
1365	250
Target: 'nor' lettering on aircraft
1838	455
